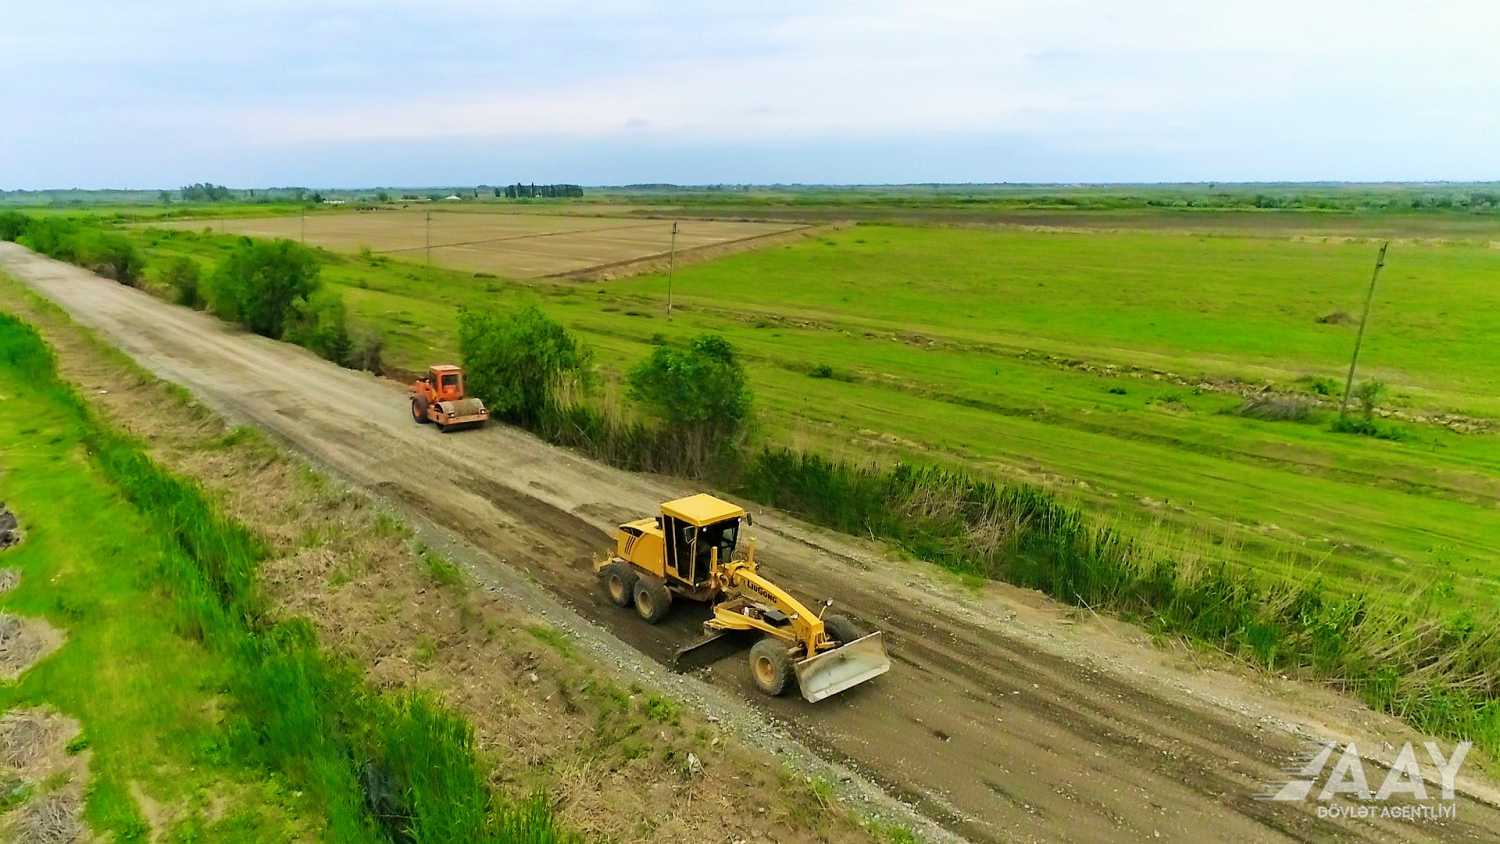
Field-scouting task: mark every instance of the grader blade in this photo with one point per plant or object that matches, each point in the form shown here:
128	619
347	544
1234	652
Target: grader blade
713	647
833	671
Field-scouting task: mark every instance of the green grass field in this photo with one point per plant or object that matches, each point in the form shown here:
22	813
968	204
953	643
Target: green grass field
990	349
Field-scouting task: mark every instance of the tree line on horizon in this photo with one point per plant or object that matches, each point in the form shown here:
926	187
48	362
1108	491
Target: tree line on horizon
533	191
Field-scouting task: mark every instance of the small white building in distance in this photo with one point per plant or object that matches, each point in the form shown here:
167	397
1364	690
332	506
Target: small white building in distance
453	197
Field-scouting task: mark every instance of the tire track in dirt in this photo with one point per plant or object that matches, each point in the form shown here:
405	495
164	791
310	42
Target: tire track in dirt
995	728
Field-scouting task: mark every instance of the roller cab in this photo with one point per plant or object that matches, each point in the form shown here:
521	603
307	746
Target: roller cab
439	398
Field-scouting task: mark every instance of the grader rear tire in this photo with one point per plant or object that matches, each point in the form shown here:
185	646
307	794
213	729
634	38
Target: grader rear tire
619	584
652	600
770	666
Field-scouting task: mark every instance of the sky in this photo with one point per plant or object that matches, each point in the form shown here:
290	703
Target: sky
327	93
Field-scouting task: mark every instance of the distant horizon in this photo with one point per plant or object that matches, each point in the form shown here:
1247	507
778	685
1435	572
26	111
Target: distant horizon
1208	184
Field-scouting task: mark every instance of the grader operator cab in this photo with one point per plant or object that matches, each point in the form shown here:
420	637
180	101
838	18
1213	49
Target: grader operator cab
438	397
689	552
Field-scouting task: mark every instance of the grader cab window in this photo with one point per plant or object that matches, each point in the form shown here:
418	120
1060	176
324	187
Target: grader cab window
681	540
722	536
450	381
690	548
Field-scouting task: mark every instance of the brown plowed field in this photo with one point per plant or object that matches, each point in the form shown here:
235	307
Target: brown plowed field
512	245
1004	717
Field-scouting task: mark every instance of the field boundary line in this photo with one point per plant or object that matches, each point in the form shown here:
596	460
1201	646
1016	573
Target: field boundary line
582	274
515	237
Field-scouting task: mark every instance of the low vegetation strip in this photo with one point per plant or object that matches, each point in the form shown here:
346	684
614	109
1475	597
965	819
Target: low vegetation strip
1439	670
386	768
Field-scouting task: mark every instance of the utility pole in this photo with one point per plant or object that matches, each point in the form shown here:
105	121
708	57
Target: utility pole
671	266
429	238
1360	337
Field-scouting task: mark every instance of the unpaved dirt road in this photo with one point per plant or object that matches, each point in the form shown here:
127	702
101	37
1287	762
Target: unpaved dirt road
989	722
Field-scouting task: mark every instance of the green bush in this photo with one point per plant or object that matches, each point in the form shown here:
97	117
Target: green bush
522	364
108	254
1369	395
12	225
369	353
54	237
182	276
1277	407
322	325
1320	385
259	283
1368	427
700	393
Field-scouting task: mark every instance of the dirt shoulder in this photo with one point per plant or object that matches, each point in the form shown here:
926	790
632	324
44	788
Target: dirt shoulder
1005	717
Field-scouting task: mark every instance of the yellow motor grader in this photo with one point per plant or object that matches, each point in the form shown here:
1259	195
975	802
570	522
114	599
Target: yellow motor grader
689	552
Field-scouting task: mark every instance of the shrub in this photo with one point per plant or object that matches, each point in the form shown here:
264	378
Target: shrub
52	236
522	364
1369	394
822	370
700	393
321	324
259	282
1321	386
108	254
182	276
369	353
1368	427
1276	408
12	224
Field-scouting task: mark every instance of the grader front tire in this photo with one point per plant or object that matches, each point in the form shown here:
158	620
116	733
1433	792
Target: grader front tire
770	666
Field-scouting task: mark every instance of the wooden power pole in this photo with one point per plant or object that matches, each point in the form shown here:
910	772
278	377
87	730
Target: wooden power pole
671	267
429	238
1360	337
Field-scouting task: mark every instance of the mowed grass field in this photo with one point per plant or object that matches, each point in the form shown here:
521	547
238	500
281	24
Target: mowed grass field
514	245
1106	366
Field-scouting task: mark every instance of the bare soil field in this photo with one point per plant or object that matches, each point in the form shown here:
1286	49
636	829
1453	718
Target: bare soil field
512	245
1005	716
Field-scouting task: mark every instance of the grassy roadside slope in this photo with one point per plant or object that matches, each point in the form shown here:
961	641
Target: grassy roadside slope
1105	367
149	699
378	766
